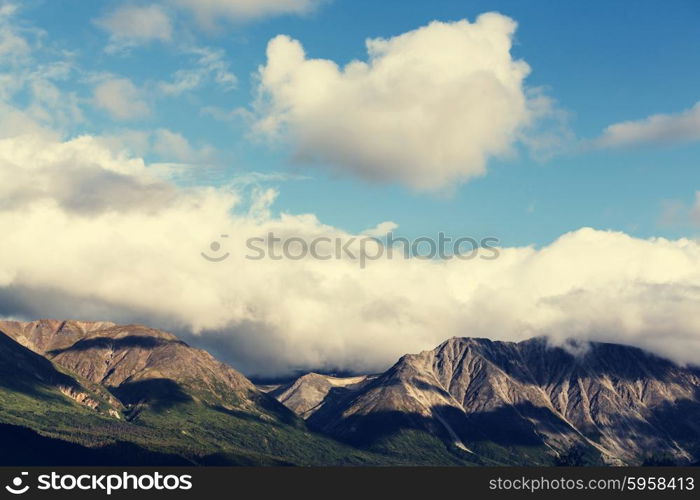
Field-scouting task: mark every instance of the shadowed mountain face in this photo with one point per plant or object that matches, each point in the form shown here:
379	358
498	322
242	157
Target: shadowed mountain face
24	372
31	448
102	392
112	355
518	402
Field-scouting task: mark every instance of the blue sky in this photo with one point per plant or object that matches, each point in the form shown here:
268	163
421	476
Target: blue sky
603	62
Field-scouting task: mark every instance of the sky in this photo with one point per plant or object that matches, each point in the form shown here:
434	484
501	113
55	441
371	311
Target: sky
133	134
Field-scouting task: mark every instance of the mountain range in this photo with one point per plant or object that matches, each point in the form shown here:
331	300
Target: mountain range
74	393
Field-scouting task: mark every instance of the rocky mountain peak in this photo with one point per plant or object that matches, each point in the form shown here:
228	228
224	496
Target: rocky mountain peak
617	401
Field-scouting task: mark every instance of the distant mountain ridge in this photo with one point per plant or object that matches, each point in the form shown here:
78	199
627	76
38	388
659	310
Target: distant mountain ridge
517	402
101	393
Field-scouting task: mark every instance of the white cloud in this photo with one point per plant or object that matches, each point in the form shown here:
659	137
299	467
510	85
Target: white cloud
381	229
655	129
210	66
131	24
15	121
97	235
76	176
121	98
228	115
50	104
13	46
32	97
428	108
174	145
169	146
209	11
174	156
127	142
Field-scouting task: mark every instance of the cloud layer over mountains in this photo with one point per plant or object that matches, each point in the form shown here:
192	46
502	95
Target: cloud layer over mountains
91	234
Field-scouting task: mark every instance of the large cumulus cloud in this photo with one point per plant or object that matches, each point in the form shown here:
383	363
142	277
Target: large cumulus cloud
428	108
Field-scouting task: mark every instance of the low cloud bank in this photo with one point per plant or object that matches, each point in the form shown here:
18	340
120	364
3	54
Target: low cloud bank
91	234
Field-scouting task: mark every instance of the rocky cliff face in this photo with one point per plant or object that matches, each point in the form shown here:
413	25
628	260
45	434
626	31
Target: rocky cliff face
130	360
22	370
617	402
310	392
